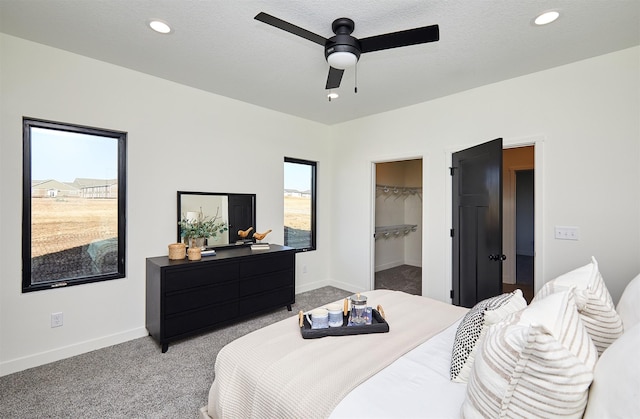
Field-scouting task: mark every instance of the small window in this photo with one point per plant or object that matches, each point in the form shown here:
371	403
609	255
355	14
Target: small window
73	202
300	204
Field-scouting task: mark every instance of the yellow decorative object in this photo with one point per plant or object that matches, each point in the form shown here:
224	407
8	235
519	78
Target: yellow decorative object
261	236
244	233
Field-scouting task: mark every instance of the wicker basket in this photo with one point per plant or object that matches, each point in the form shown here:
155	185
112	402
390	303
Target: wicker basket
177	251
194	253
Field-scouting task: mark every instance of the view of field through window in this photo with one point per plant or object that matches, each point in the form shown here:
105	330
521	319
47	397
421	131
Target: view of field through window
297	212
74	205
60	224
297	204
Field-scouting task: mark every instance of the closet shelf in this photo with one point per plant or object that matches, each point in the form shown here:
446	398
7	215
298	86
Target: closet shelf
395	230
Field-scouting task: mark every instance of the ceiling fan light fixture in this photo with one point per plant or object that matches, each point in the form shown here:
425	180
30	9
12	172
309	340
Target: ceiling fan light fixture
546	17
342	60
159	26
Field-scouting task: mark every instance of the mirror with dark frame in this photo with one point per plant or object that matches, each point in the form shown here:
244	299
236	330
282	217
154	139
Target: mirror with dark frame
222	216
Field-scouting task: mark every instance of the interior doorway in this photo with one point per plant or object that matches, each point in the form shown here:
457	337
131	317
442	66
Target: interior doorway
398	226
518	220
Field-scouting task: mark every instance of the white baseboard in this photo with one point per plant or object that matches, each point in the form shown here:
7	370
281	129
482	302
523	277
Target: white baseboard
343	286
30	361
311	286
416	263
388	265
319	284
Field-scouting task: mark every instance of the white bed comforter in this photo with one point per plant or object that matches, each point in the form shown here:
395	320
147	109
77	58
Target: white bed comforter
273	372
417	385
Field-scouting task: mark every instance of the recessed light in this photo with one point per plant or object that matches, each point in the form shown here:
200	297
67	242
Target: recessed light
333	95
546	17
159	26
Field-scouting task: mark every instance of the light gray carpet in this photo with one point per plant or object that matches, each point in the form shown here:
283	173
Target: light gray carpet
405	278
134	379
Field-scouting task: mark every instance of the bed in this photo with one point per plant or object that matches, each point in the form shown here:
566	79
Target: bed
408	371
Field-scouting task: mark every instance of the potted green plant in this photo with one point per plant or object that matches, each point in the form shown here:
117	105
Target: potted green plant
194	230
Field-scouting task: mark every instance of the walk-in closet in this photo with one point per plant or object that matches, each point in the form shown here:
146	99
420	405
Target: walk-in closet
398	226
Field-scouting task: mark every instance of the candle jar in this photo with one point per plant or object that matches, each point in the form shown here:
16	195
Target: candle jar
358	310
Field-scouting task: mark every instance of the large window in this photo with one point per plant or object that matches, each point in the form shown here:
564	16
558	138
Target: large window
73	203
300	204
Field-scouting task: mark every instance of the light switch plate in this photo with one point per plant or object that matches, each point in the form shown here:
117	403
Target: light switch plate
567	233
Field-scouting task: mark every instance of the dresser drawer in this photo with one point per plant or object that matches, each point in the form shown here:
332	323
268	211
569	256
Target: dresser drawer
264	264
202	318
199	275
196	297
261	283
259	302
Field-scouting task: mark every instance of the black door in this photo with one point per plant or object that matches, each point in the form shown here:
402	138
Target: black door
241	215
477	223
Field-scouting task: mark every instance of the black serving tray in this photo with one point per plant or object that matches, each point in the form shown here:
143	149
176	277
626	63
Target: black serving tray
378	325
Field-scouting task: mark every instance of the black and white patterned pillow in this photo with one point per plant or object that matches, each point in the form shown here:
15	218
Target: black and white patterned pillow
473	327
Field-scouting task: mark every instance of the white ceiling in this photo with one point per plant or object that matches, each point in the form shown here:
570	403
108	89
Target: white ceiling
217	46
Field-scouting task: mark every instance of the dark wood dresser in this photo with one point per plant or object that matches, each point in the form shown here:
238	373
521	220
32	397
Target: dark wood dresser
189	297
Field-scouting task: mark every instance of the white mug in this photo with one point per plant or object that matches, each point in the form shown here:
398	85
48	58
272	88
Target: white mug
319	318
335	315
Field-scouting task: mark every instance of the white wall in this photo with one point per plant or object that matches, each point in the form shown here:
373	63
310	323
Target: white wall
586	117
179	138
588	114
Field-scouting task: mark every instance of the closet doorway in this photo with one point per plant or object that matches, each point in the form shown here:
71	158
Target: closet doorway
398	226
518	219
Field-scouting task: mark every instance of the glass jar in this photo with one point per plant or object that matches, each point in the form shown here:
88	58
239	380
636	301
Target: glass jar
358	309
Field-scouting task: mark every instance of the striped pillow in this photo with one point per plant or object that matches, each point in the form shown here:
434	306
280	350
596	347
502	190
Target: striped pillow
538	362
593	301
473	327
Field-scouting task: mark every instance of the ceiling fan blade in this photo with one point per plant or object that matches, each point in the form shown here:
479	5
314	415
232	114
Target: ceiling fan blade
291	28
400	39
334	78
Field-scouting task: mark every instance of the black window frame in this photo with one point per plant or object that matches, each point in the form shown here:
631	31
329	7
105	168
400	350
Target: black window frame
28	285
314	175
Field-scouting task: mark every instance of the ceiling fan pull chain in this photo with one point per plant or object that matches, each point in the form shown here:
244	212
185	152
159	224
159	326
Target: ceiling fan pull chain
355	89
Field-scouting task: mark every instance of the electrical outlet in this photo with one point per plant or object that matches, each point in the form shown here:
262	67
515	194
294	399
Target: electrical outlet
304	269
56	319
567	233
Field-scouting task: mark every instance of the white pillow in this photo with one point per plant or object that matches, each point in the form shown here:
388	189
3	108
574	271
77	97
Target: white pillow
593	301
473	327
536	363
615	392
629	305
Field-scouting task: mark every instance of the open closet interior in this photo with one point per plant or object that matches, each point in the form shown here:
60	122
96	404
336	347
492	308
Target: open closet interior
398	226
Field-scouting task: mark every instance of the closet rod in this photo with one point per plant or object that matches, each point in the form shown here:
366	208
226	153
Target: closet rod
394	230
399	191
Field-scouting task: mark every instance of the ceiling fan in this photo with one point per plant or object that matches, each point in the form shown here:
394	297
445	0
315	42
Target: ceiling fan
343	50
